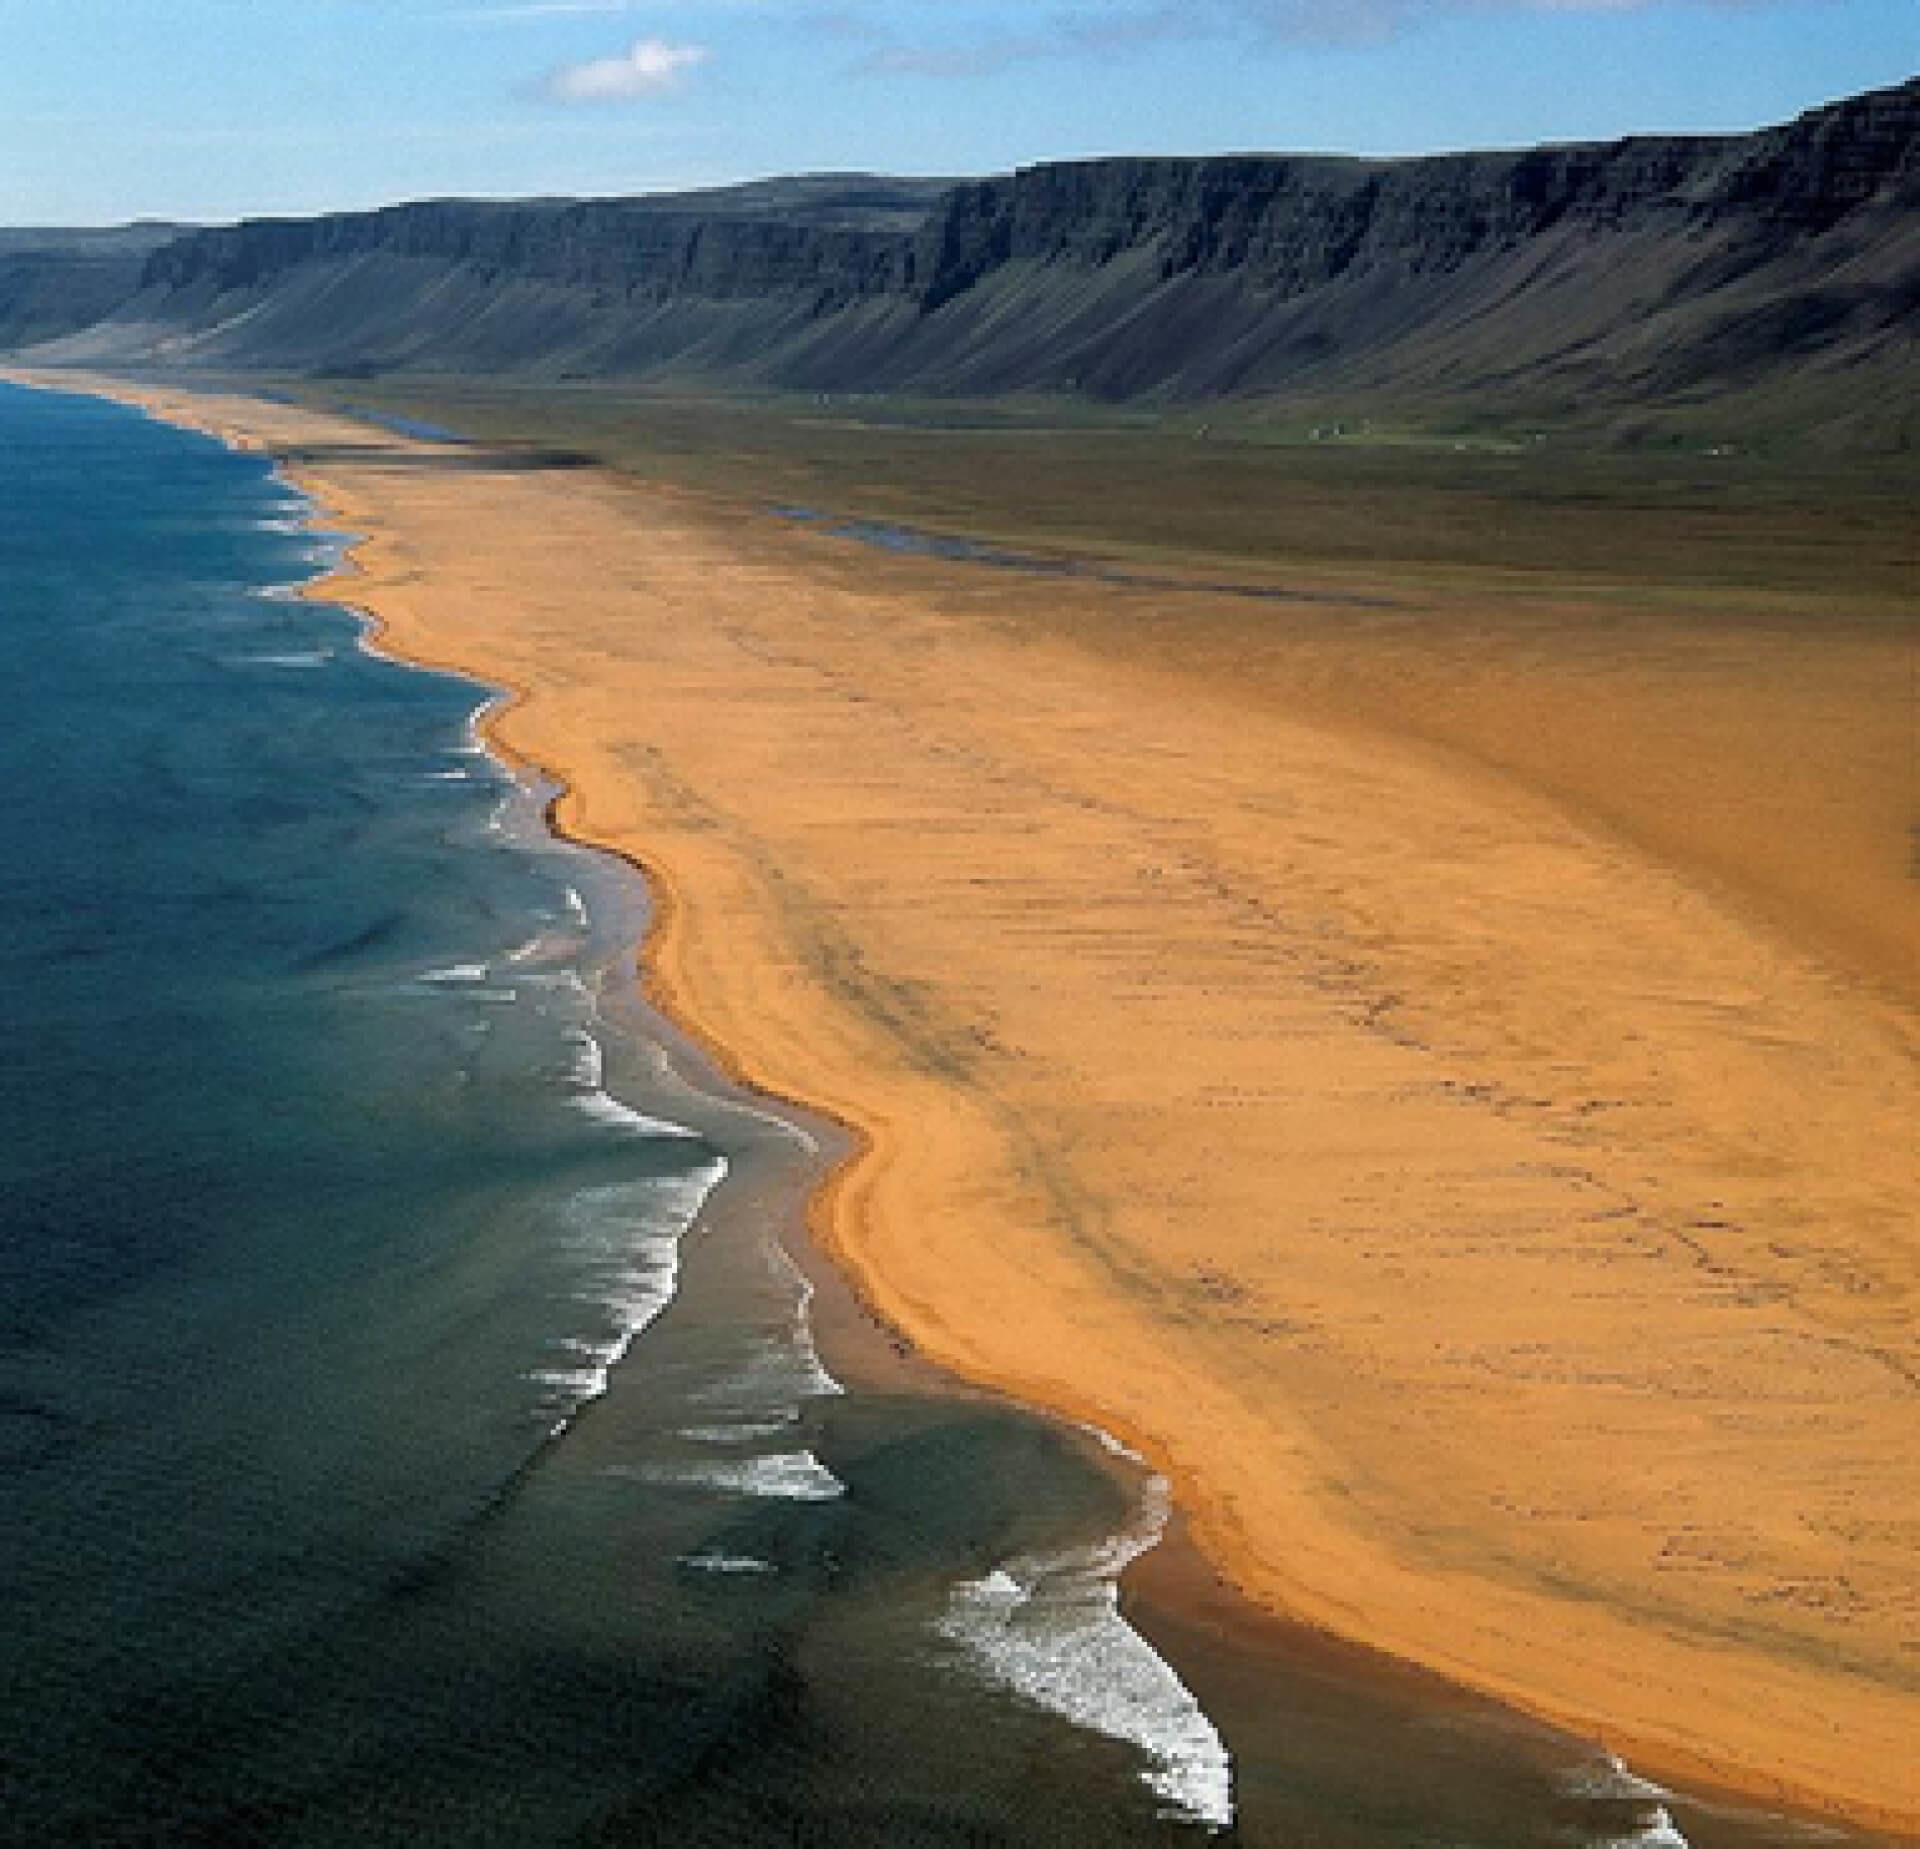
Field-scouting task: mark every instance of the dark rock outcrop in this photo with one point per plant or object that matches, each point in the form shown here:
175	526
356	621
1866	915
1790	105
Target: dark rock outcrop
1650	270
56	282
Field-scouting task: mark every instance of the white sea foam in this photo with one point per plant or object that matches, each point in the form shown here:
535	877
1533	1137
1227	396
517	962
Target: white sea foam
576	1385
760	1397
566	981
625	1238
1613	1781
785	1476
817	1383
588	1064
1049	1628
1114	1447
549	944
666	1071
776	1376
456	973
291	658
772	1119
608	1110
1658	1832
746	1431
587	1069
728	1564
787	1127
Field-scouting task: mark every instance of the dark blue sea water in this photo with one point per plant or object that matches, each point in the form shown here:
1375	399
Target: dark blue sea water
411	1425
323	1235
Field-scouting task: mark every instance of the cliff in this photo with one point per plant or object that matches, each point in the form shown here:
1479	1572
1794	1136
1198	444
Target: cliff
55	282
1781	267
1639	268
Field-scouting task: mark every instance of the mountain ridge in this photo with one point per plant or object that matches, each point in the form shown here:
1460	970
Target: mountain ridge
1775	273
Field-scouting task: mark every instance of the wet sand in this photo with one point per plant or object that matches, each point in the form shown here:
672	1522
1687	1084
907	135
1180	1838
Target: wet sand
1465	1149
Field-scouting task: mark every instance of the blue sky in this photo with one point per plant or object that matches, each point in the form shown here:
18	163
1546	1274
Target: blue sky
216	109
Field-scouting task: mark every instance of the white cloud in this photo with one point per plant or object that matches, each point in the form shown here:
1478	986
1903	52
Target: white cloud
648	67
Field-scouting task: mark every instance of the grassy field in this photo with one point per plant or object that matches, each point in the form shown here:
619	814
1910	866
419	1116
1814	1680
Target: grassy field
1248	495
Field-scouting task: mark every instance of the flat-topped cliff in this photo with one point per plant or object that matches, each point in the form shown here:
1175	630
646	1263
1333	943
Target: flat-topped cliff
56	281
1782	265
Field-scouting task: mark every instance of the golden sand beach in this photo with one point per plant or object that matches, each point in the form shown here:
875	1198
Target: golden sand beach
1436	1078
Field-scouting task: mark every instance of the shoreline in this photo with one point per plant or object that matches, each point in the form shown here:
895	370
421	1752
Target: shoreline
839	1318
845	1206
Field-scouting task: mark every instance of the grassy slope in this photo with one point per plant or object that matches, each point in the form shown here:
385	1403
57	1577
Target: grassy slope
1249	495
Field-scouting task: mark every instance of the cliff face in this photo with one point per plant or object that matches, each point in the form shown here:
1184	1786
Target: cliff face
1641	270
712	283
1291	225
1647	264
619	246
55	282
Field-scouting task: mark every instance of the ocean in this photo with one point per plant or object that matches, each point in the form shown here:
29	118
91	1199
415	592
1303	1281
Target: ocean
413	1426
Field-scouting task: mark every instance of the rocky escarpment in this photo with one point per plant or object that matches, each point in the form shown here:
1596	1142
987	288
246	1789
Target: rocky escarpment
54	282
545	288
635	248
1293	225
1645	264
1651	270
